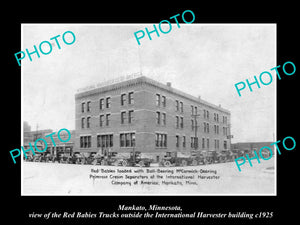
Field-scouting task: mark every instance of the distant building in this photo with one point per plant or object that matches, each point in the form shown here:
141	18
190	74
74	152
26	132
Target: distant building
144	115
32	136
252	146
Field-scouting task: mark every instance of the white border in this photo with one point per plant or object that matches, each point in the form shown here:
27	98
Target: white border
109	24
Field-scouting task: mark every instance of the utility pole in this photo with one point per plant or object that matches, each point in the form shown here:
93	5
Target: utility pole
36	135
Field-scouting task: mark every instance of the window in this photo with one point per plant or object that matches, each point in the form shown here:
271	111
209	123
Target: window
101	120
218	144
123	117
183	141
89	141
122	140
177	141
177	105
81	142
192	110
192	124
107	119
127	140
196	111
130	116
156	140
181	122
206	127
206	114
203	143
194	142
88	120
177	121
123	99
82	122
207	143
163	119
164	140
163	101
101	103
181	107
88	106
82	107
157	100
157	117
130	98
160	140
108	102
105	141
225	144
85	142
132	136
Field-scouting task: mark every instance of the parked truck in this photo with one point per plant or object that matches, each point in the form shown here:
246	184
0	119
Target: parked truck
135	158
175	159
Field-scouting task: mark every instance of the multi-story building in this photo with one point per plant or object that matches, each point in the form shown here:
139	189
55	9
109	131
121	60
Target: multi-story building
144	115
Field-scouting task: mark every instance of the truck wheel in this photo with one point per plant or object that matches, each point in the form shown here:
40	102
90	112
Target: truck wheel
194	162
167	164
124	163
141	163
183	163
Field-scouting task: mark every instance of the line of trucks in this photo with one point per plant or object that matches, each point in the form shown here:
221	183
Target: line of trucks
137	158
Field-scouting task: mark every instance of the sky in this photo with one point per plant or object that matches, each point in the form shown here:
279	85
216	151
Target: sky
204	60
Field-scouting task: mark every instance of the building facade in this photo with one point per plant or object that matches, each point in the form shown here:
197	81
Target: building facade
59	147
144	115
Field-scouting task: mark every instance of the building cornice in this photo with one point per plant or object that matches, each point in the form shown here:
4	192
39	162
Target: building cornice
145	80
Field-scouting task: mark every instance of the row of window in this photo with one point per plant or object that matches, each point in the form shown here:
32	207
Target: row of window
161	118
106	141
130	98
124	117
104	120
106	102
161	100
128	117
194	142
128	140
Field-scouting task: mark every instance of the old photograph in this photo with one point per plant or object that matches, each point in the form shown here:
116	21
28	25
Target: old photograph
130	109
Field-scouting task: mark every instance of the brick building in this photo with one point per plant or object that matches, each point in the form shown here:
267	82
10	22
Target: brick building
31	136
147	116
